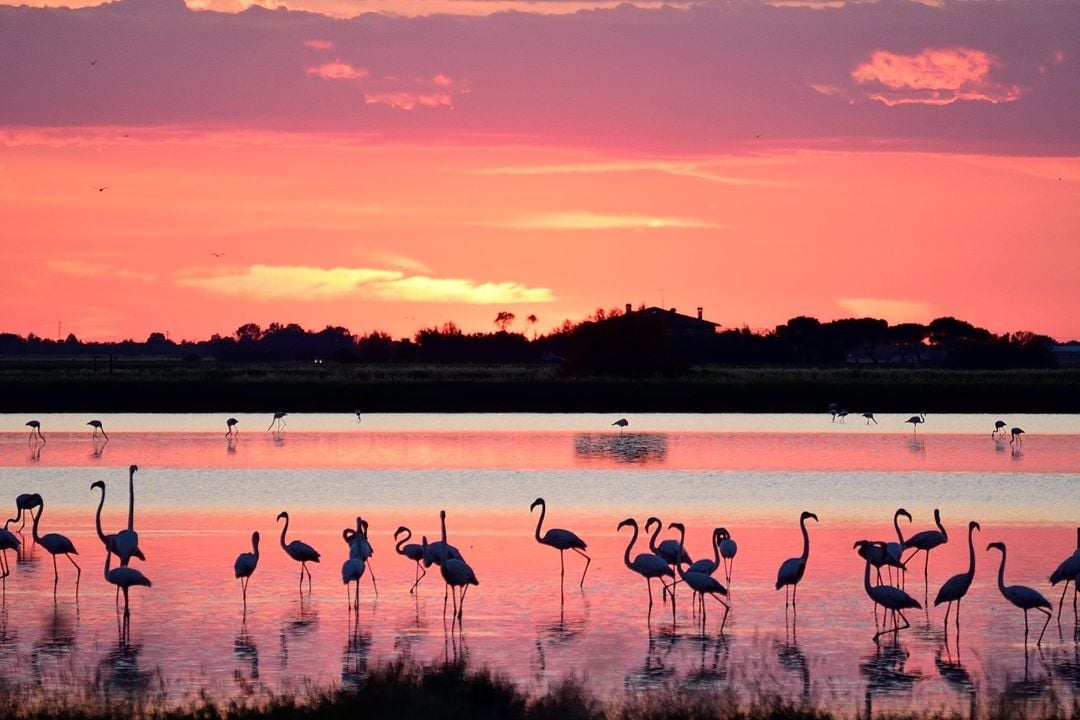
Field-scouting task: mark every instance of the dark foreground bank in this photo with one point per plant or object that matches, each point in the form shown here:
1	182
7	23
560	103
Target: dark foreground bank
162	386
411	692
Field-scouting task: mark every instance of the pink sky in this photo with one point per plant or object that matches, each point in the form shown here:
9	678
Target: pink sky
395	172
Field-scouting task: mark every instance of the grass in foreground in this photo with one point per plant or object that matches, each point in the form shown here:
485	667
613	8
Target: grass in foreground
400	691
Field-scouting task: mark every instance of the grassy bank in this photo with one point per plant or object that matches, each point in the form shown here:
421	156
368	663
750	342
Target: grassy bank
397	691
166	386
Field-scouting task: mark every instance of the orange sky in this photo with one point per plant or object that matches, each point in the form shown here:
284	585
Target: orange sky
409	200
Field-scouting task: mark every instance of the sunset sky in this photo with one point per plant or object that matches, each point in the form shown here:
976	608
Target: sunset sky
396	164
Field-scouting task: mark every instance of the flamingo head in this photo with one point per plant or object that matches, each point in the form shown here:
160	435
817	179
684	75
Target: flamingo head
652	521
255	539
132	469
903	513
347	534
807	515
283	514
722	533
973	526
631	522
537	501
999	545
401	529
98	484
937	515
677	526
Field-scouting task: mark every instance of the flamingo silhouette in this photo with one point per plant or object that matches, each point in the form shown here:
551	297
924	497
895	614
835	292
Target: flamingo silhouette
728	550
999	427
124	578
622	424
433	554
791	570
360	548
351	571
231	425
915	421
1069	571
1016	433
894	551
299	551
647	565
245	564
127	541
1022	597
888	597
23	502
561	540
870	417
96	424
956	587
456	574
926	541
701	583
57	544
279	420
413	551
110	540
35	430
705	565
8	541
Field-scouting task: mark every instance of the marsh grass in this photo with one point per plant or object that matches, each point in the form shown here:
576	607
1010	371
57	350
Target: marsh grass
409	691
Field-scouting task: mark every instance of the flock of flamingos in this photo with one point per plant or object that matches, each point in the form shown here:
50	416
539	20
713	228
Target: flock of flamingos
666	560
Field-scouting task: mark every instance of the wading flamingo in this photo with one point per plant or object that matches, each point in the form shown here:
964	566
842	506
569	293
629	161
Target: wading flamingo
561	540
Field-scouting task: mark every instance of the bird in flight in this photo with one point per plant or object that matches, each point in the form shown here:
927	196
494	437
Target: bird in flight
103	189
218	255
93	63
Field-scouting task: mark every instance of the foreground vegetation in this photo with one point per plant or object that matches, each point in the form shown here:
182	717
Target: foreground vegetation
397	691
33	386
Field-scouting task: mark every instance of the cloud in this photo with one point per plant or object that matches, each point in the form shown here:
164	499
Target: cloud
404	100
338	71
316	44
85	268
699	169
581	220
935	76
275	282
401	262
895	311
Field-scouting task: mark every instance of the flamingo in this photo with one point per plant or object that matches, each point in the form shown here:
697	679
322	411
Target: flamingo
1016	433
833	410
357	415
457	574
413	551
561	540
1022	597
915	421
279	420
870	417
622	424
110	540
728	550
124	578
245	564
96	424
701	583
433	553
299	551
1068	570
351	571
35	430
359	547
705	565
231	425
8	541
926	541
647	565
23	502
56	544
999	427
669	551
127	541
956	587
791	570
888	597
842	414
895	550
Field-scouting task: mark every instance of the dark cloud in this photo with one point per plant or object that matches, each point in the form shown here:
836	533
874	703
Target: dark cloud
701	78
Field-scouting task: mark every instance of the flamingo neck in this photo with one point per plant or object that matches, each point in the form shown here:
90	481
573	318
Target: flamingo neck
971	551
131	499
805	539
97	518
543	511
629	547
1078	538
716	548
655	534
37	518
284	530
678	558
937	521
402	541
108	563
255	548
442	521
1001	571
866	574
896	524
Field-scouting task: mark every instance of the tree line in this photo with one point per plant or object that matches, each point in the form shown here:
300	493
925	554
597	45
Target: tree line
607	342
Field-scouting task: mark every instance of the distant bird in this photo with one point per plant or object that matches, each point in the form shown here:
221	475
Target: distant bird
915	421
299	551
92	63
956	587
834	409
279	420
1016	433
23	503
701	583
231	425
456	574
842	414
728	550
1022	597
870	417
124	578
351	571
35	430
622	424
791	570
1069	571
357	415
561	540
218	254
926	541
999	427
103	188
647	565
8	541
888	597
56	544
413	551
96	424
245	564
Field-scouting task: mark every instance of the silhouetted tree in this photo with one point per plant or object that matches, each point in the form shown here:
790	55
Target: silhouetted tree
504	319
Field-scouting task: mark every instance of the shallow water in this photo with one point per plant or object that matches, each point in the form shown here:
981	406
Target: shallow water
199	498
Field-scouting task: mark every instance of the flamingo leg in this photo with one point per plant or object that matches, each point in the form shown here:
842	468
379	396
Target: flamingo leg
588	561
1062	600
648	584
948	607
1049	616
371	570
1025	628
